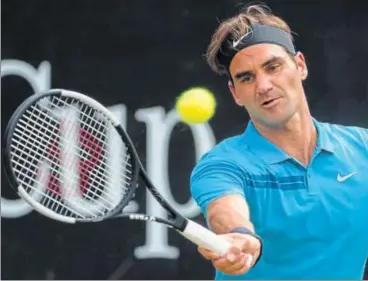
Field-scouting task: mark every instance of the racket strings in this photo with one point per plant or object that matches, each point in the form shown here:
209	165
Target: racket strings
50	191
16	160
43	135
44	146
19	148
73	139
34	174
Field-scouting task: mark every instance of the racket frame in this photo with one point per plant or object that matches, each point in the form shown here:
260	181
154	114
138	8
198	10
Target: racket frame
6	153
175	219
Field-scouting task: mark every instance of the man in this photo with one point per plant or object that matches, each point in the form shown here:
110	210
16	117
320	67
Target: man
290	191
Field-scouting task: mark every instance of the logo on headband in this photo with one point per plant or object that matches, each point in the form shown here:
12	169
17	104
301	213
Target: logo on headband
236	43
257	34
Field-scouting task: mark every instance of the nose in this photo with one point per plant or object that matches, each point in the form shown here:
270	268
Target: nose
263	84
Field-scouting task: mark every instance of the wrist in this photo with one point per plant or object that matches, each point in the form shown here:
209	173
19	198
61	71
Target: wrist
244	230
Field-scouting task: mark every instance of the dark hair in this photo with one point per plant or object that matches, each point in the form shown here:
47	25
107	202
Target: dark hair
235	27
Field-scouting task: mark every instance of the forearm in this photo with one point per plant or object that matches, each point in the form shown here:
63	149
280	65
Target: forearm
227	213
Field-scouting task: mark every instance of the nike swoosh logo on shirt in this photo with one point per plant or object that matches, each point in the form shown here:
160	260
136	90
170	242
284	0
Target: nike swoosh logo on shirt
344	178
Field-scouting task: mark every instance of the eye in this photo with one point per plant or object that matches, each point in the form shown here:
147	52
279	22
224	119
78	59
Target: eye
247	79
273	67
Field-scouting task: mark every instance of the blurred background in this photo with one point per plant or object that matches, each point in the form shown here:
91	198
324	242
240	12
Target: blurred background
136	57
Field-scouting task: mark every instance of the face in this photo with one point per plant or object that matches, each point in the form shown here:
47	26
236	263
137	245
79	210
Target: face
268	83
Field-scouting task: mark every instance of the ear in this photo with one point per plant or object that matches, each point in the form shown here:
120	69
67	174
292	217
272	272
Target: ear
302	66
233	92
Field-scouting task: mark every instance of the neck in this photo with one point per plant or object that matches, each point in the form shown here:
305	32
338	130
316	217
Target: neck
297	137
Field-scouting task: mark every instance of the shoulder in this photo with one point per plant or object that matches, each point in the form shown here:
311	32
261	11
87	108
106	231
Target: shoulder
230	152
347	136
219	172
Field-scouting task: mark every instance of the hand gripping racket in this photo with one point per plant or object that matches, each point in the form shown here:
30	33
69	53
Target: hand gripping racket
61	153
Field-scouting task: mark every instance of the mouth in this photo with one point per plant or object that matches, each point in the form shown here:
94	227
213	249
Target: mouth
270	103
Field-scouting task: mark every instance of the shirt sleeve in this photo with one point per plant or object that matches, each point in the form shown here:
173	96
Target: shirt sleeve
364	133
213	178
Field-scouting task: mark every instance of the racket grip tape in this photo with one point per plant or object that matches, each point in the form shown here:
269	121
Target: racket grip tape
205	238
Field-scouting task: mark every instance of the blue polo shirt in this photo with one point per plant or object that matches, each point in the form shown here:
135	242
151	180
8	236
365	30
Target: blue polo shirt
313	220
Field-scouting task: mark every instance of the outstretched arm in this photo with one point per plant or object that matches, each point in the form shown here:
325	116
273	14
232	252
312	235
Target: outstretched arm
218	187
224	215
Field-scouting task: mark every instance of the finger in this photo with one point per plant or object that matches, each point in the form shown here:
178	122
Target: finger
228	261
230	268
233	254
221	263
224	263
239	268
207	254
245	268
249	260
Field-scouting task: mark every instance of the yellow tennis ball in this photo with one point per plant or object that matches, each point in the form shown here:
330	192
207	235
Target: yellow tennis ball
196	105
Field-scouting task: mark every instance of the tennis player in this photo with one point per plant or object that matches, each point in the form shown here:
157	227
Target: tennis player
290	191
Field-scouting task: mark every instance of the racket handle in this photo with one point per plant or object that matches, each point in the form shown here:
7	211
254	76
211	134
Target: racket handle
205	238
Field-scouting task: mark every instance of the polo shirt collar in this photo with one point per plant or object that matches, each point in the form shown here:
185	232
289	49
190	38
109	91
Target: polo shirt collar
262	146
273	154
324	141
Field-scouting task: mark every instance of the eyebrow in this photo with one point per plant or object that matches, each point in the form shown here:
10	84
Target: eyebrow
266	63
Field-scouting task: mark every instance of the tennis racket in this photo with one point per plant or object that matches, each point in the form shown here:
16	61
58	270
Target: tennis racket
60	153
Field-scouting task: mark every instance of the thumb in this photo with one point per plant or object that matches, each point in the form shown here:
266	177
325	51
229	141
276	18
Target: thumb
233	253
250	244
